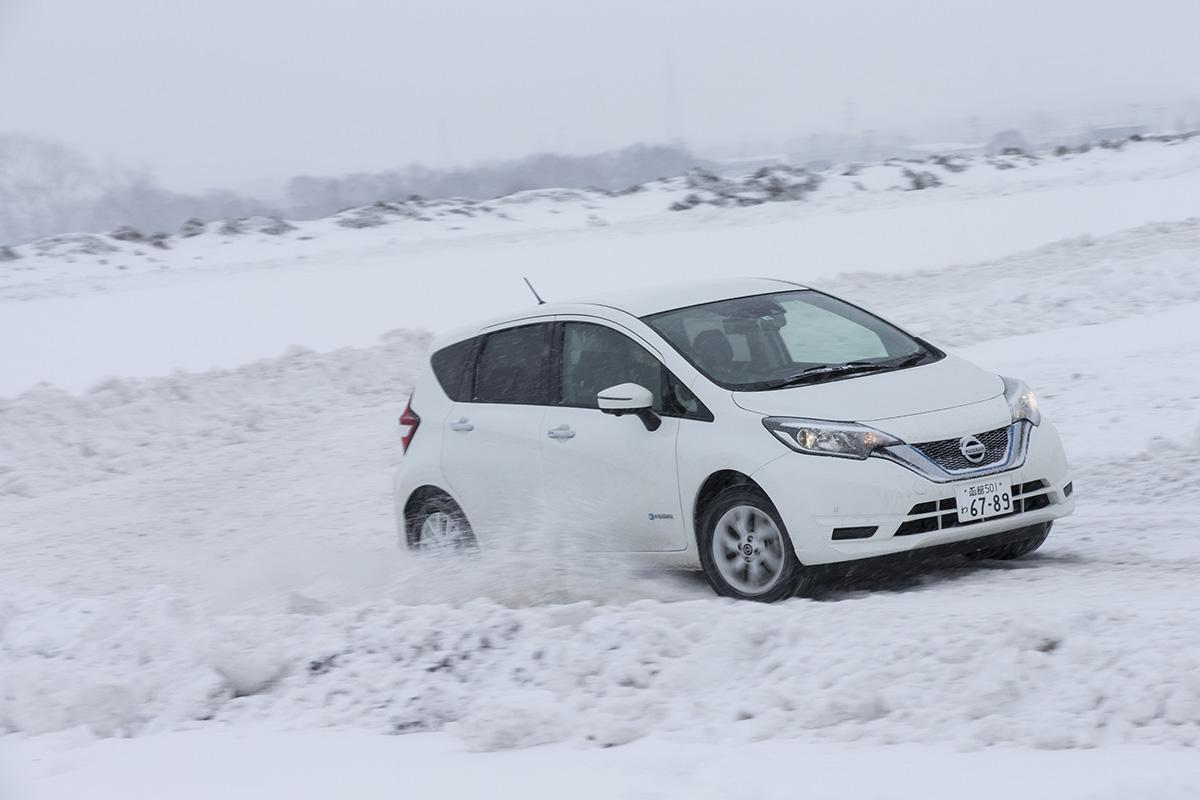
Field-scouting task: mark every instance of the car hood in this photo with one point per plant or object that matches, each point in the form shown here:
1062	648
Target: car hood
947	383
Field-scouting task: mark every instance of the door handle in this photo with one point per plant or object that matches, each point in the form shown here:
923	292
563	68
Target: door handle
462	424
561	432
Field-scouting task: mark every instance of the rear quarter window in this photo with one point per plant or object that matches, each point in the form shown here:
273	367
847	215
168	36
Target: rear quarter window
452	367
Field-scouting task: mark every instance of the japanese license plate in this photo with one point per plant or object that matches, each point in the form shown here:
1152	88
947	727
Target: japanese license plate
984	499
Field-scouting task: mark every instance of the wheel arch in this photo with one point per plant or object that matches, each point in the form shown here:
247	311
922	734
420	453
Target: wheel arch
712	486
415	498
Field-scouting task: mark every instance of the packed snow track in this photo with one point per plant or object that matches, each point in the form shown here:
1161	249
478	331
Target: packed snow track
217	548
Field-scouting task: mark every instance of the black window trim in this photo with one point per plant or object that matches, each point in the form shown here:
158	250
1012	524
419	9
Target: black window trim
466	382
556	372
472	361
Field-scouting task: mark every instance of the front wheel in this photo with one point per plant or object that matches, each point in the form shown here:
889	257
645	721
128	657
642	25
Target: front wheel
745	549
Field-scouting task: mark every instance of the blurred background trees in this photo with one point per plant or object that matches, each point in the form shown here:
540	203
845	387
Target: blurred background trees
47	188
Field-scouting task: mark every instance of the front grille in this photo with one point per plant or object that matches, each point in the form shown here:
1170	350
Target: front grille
941	514
924	525
947	454
1034	503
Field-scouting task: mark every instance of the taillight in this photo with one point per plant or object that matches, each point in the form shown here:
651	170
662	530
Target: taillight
409	421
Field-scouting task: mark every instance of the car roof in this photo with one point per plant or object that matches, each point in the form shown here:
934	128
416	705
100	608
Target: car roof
641	301
637	301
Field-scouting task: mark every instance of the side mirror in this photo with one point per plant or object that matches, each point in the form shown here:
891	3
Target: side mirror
624	398
629	398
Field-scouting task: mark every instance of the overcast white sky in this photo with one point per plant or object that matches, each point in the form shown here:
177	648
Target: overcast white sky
228	92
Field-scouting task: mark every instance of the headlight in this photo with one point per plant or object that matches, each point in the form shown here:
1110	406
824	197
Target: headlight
1021	401
822	438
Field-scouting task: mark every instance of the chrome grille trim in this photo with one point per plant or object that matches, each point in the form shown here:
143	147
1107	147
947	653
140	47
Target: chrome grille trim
909	457
947	454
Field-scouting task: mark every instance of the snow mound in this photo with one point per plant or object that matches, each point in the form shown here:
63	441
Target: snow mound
1168	470
50	439
237	226
974	675
69	244
779	183
1080	281
515	653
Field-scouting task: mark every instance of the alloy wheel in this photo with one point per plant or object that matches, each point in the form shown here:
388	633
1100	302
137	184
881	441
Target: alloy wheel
442	531
748	550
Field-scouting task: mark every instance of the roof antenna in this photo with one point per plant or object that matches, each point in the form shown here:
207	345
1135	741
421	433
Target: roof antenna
541	302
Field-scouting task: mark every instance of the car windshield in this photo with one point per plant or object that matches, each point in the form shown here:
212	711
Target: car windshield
771	341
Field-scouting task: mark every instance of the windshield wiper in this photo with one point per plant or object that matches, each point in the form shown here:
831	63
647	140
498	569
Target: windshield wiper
822	371
848	366
907	361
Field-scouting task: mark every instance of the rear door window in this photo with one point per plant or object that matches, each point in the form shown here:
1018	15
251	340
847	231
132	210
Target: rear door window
513	366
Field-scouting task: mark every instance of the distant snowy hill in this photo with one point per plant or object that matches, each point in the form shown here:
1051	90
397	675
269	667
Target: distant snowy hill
26	270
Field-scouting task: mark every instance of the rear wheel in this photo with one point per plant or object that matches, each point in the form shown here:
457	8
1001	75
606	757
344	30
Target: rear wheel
1023	547
745	549
439	525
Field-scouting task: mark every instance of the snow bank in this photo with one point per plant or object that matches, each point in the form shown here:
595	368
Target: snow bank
1080	281
877	669
50	439
1068	649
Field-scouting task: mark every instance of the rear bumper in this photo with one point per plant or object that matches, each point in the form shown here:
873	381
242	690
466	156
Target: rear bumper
890	499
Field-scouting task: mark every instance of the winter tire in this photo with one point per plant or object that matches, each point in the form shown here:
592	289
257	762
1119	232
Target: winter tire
439	526
745	549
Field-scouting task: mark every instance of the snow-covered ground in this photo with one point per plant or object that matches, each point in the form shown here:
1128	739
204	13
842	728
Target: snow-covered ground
204	562
251	765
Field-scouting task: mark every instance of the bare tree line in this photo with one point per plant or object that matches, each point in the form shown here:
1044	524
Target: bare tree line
47	188
313	197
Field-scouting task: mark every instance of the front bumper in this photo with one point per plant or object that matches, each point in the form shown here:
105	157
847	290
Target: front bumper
816	495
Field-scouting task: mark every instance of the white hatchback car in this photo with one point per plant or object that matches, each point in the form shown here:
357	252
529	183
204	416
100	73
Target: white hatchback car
753	428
